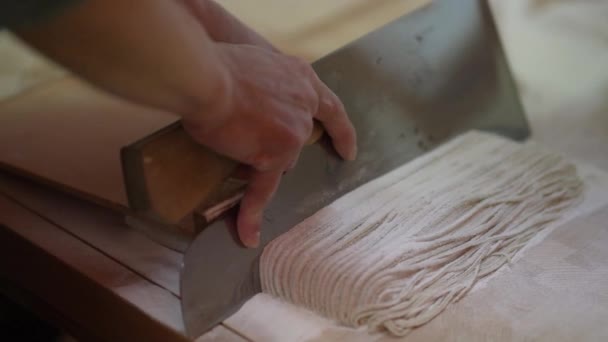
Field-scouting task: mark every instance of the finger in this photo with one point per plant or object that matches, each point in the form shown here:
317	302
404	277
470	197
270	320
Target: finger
259	192
294	162
243	172
290	166
332	114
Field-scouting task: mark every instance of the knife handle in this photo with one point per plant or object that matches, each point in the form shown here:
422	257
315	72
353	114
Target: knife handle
316	134
169	177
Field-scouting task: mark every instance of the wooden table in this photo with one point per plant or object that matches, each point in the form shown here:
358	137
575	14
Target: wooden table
81	266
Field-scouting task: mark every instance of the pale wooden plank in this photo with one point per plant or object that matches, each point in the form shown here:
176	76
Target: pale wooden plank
309	29
22	68
265	318
312	29
101	228
82	283
301	325
220	334
69	134
557	292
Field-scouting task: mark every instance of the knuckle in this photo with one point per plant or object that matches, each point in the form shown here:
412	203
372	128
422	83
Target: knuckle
292	141
287	145
303	67
312	100
338	105
270	162
329	104
306	95
262	162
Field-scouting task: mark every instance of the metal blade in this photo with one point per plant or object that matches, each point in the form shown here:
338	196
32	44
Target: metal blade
407	87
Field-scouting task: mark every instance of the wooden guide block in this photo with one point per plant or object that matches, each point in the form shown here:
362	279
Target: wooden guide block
168	175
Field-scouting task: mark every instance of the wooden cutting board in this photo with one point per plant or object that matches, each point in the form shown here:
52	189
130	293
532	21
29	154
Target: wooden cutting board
557	288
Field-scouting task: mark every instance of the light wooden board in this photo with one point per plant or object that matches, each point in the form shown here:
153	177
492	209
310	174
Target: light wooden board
312	29
221	334
22	68
289	323
69	134
100	228
261	319
81	282
557	292
309	29
87	287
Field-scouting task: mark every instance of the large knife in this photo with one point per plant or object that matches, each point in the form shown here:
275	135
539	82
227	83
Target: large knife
407	87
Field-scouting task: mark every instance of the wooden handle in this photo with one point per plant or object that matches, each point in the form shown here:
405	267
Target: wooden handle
168	176
317	133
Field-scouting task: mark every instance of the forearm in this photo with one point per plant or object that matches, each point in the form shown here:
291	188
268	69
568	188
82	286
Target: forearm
149	51
222	26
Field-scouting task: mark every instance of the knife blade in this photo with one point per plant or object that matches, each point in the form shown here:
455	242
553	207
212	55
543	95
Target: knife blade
408	87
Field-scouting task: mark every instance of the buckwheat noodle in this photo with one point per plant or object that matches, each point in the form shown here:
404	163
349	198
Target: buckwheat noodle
394	253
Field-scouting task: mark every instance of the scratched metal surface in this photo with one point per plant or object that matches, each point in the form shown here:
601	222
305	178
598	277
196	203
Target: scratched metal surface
407	87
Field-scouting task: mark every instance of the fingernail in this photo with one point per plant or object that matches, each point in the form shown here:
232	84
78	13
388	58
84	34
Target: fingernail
352	155
253	241
262	162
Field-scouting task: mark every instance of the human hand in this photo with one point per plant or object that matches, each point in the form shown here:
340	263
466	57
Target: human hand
265	120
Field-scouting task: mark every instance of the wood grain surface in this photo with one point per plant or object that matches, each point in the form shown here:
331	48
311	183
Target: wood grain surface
81	282
100	228
263	318
221	334
69	134
22	68
312	29
556	292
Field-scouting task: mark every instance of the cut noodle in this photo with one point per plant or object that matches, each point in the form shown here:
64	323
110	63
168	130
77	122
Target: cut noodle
394	253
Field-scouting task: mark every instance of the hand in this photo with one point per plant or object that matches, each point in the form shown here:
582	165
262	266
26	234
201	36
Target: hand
267	117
